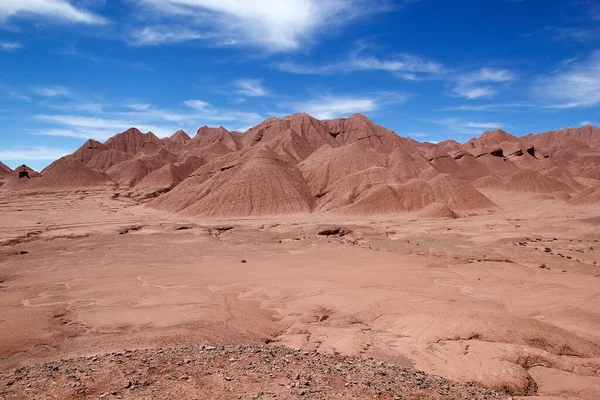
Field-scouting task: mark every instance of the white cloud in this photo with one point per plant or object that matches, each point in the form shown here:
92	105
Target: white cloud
475	92
83	127
32	153
250	87
83	122
458	125
163	122
577	34
406	66
204	111
491	107
10	46
271	24
52	91
336	106
488	75
75	106
61	10
197	104
76	132
476	84
138	106
19	96
157	35
577	85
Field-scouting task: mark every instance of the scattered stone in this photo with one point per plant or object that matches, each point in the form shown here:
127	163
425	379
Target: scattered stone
250	372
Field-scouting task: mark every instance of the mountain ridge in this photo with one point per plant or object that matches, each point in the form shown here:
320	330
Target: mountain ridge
300	164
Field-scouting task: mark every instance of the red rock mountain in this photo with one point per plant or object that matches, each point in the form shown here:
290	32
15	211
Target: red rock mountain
5	173
70	173
21	178
4	170
299	164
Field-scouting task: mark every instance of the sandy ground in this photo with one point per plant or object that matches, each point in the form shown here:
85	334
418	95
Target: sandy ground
509	300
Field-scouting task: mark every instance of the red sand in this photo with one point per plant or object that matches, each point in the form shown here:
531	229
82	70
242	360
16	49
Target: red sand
475	262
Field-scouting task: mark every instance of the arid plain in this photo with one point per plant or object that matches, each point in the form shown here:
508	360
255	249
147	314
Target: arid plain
500	288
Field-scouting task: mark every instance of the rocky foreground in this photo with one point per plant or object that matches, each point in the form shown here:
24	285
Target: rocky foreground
207	372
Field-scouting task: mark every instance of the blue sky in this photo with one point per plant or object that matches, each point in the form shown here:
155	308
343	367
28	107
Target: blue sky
429	69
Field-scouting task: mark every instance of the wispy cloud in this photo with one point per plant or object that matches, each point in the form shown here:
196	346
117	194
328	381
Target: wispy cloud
573	86
74	52
85	127
204	111
466	127
271	24
52	91
146	117
32	153
481	83
158	35
334	106
579	34
71	106
82	121
138	106
58	10
197	105
406	66
19	96
250	87
10	46
515	106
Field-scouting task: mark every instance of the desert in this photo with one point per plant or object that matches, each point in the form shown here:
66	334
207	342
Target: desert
304	258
